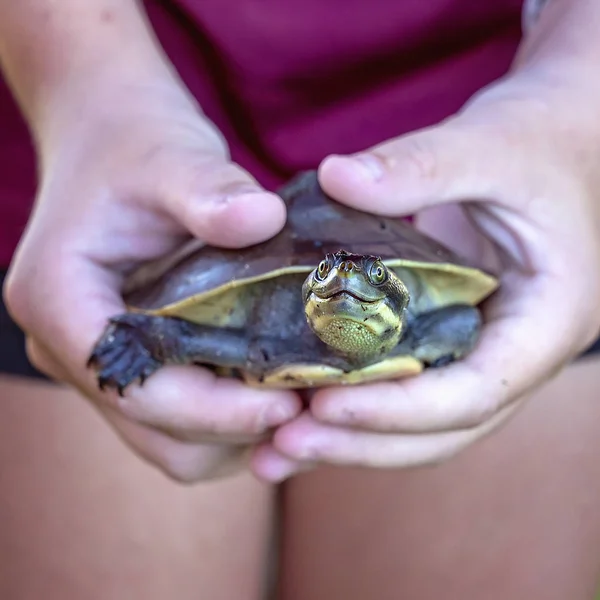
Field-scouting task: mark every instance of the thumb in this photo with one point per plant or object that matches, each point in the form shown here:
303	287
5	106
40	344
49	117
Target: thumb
218	202
447	163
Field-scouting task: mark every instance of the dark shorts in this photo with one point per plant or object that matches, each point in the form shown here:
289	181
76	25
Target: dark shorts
14	361
13	358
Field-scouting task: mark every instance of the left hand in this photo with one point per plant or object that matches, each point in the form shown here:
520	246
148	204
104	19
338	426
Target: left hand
522	160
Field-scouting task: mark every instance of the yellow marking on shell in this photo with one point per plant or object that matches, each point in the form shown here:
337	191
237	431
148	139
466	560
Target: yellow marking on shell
459	284
219	293
227	309
314	376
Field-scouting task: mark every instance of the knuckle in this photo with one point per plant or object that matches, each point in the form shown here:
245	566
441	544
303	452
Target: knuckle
238	179
240	421
36	356
184	476
16	294
213	177
192	465
481	411
420	154
182	462
205	427
201	189
179	405
480	400
12	293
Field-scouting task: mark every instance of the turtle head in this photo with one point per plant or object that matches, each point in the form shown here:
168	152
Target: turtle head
355	305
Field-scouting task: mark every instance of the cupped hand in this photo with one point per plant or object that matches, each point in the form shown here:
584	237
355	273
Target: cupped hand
521	162
128	173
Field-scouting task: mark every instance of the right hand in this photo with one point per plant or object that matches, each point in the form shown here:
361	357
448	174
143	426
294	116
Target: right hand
125	178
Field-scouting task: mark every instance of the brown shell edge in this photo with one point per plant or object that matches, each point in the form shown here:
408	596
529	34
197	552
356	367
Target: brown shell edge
316	225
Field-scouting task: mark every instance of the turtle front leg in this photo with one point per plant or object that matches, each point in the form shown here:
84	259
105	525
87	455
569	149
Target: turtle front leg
441	336
133	346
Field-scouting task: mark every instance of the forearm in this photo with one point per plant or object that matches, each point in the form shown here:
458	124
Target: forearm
48	48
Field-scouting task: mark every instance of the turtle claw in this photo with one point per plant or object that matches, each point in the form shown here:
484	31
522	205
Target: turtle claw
124	353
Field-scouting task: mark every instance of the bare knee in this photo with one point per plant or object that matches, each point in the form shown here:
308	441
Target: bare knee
516	516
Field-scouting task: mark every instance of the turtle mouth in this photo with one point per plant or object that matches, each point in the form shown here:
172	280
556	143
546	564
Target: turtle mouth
347	295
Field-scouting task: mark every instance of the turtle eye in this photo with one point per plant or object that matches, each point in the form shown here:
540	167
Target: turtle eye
377	273
323	269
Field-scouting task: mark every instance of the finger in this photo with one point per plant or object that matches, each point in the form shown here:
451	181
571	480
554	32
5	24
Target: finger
272	466
43	360
217	201
305	439
455	161
63	302
198	436
209	457
185	463
189	398
177	427
517	350
194	404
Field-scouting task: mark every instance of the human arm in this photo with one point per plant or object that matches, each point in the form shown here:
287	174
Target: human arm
129	168
520	160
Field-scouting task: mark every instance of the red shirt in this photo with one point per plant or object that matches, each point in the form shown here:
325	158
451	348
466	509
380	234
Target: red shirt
289	82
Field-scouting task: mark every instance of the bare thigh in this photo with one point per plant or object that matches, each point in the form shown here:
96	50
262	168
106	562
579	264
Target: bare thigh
81	517
516	516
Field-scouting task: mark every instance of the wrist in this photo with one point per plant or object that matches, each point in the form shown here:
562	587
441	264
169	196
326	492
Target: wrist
52	53
109	111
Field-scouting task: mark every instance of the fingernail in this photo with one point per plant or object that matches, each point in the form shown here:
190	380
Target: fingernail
275	472
305	450
276	414
278	469
241	193
366	166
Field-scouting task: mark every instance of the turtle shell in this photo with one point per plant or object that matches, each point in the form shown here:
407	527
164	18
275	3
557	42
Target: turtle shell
316	224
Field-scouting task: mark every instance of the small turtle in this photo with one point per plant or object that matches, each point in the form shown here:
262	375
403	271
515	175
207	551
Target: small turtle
339	296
